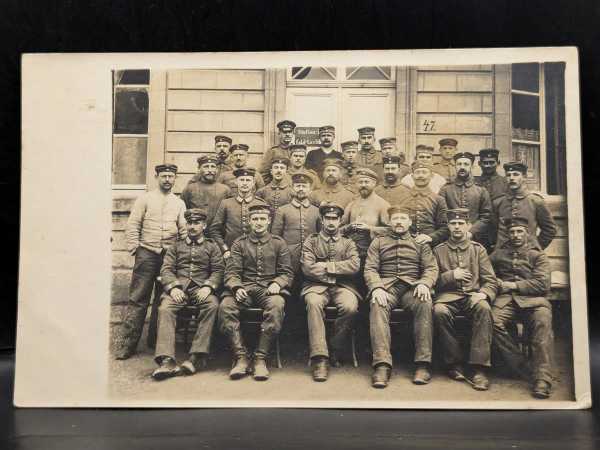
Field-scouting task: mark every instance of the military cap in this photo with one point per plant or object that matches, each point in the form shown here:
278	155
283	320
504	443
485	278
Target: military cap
331	162
489	153
302	178
516	221
424	149
366	130
207	159
221	138
259	209
391	160
349	144
195	214
457	214
244	171
448	141
325	128
165	168
387	140
286	124
239	147
467	155
330	208
366	172
297	147
395	209
516	165
280	160
421	165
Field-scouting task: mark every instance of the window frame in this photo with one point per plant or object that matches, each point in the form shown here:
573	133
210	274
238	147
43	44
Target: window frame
341	79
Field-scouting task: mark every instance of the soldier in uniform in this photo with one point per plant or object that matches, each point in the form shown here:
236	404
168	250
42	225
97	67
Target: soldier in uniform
368	156
155	223
518	201
391	190
495	184
203	191
258	274
400	272
315	158
222	150
446	166
427	210
349	152
279	191
466	285
332	188
282	150
523	273
232	217
239	159
297	164
330	264
464	193
191	273
424	154
389	149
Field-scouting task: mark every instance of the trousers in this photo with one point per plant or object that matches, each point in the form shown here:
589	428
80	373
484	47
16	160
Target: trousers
379	325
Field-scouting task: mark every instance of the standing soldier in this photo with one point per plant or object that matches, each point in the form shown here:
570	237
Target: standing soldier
518	201
466	286
332	189
155	223
239	160
232	217
424	154
279	191
191	274
523	272
222	148
282	150
315	158
389	149
258	274
464	193
495	184
446	167
391	190
400	273
297	164
330	264
203	191
368	156
427	210
349	152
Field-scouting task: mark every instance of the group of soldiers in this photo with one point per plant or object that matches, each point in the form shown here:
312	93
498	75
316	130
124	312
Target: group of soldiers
347	229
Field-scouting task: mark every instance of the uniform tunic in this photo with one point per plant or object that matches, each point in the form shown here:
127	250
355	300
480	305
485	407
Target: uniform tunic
371	159
532	206
278	151
496	185
436	183
349	177
232	220
428	214
337	193
394	193
315	158
446	168
229	179
208	196
370	211
276	195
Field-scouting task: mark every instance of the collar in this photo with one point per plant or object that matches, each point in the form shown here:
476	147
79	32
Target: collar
395	235
447	162
297	203
335	189
520	193
198	241
467	183
370	151
284	184
389	186
461	245
241	199
490	177
326	237
415	192
263	239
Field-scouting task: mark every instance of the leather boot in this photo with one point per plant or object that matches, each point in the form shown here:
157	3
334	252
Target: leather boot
381	376
320	368
261	372
241	365
541	389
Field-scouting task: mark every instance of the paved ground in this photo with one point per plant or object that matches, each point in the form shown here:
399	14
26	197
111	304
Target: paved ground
131	380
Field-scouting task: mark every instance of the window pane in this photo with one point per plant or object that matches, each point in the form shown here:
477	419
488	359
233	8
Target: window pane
556	154
526	117
129	160
314	73
132	77
368	73
131	111
526	77
530	155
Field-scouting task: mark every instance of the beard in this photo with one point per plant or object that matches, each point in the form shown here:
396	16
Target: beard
331	179
365	192
390	177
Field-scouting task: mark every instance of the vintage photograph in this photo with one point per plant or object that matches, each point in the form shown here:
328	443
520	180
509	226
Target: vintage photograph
372	234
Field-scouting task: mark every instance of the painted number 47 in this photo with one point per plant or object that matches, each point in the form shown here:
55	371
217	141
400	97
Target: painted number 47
429	125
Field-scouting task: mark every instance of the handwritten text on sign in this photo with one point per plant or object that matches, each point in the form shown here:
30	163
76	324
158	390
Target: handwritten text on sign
307	135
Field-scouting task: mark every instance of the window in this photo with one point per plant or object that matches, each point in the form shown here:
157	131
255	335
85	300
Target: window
381	76
130	128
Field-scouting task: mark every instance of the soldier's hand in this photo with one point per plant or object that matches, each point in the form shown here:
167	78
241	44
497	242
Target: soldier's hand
241	295
177	295
201	294
320	269
273	289
422	239
422	292
461	274
226	254
380	296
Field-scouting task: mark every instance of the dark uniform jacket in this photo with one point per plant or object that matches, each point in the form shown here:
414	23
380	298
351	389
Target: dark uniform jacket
496	185
428	214
526	204
295	222
343	263
315	158
276	151
466	194
445	168
338	194
371	159
468	255
189	264
529	268
394	194
257	262
231	220
393	257
349	176
276	195
198	194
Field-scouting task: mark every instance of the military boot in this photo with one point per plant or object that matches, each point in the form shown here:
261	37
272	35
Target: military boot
241	364
261	372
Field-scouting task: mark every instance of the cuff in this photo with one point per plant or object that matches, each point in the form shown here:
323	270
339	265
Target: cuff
212	289
331	267
171	285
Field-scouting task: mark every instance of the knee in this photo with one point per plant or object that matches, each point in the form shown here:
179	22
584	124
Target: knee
542	317
227	306
421	308
313	301
348	307
166	304
276	304
212	303
482	308
441	311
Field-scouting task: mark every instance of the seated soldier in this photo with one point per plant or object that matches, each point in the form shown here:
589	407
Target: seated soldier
191	273
399	272
466	286
330	264
523	272
258	274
